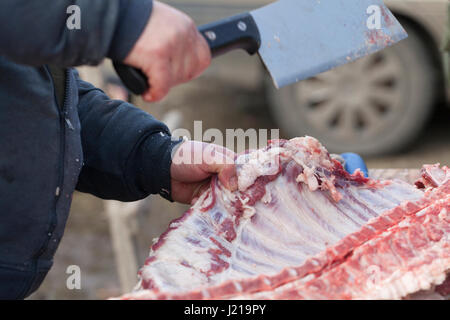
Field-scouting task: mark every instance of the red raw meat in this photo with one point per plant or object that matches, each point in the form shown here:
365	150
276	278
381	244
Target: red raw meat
300	227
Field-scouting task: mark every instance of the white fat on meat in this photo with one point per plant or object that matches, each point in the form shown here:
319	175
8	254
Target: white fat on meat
256	164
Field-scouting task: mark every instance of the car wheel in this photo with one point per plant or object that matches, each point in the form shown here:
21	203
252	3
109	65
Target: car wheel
378	104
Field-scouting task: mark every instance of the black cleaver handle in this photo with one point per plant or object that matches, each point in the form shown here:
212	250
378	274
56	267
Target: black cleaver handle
237	32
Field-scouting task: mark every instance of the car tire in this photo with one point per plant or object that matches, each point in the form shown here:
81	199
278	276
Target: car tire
376	105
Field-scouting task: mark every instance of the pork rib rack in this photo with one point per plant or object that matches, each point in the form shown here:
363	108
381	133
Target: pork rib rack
300	227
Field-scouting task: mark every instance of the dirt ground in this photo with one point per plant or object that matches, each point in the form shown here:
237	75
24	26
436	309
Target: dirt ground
220	103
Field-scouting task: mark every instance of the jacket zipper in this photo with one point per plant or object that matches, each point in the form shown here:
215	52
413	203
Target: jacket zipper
54	218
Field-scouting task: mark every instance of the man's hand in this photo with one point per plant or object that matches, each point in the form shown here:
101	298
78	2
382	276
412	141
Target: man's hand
170	51
194	163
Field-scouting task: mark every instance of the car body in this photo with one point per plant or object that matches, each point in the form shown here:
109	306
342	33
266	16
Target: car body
433	17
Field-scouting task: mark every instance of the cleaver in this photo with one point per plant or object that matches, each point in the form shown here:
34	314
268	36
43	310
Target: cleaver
296	39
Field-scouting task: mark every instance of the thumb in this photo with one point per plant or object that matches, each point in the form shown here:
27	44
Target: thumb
220	160
228	177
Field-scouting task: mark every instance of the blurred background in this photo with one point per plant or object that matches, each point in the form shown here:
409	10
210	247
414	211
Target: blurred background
392	107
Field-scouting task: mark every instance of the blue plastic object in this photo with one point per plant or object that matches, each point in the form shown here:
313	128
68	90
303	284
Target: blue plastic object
354	161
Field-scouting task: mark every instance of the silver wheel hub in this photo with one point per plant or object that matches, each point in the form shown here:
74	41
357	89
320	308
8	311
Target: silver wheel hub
355	100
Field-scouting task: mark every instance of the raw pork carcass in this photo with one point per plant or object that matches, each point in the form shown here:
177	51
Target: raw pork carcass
301	227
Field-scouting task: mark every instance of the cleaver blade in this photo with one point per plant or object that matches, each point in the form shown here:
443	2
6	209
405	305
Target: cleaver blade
302	38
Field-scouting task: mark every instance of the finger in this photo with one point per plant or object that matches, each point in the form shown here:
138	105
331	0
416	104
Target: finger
216	160
228	177
200	190
227	152
186	192
195	161
203	54
182	58
159	82
147	96
192	60
187	163
218	154
188	67
198	58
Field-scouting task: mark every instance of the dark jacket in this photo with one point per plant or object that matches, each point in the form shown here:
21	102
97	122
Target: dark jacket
86	142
